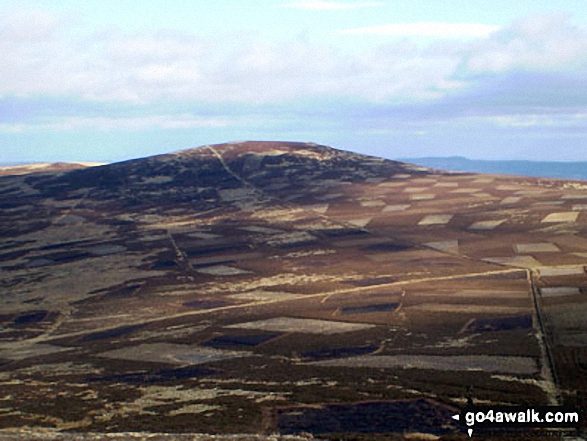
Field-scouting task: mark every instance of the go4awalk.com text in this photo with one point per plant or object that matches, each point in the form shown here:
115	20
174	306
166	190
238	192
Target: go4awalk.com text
517	418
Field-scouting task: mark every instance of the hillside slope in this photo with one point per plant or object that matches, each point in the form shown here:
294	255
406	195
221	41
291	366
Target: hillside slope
275	287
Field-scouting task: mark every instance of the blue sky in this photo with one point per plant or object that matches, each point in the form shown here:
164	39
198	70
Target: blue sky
110	80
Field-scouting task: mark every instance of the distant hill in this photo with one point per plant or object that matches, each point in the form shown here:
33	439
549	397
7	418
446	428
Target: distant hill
282	288
44	167
564	170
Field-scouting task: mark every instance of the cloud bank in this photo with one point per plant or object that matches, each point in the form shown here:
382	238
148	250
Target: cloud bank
324	5
436	30
528	75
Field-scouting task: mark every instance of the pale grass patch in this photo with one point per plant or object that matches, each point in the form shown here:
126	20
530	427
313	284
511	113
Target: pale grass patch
161	179
330	196
359	222
194	409
391	184
574	196
415	189
23	350
265	296
540	247
467	309
237	194
559	291
436	219
547	386
399	207
484	363
529	192
553	271
445	245
279	214
424	180
565	216
290	279
476	293
466	190
307	326
517	261
301	254
318	208
372	203
462	342
447	185
261	230
486	224
422	196
511	200
290	238
172	353
222	270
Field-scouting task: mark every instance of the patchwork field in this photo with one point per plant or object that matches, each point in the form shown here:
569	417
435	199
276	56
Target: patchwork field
281	289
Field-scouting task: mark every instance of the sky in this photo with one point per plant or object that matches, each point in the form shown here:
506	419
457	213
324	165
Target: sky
110	80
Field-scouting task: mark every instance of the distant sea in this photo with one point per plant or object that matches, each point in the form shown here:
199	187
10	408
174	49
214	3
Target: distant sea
563	170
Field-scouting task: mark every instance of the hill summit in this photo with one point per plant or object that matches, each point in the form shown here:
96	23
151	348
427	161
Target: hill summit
278	287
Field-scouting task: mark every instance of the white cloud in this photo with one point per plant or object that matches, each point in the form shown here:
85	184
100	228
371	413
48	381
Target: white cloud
12	128
537	42
151	67
325	5
179	68
424	29
538	120
165	122
27	25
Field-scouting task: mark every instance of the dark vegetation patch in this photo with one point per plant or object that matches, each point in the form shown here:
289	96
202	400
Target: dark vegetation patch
163	264
205	304
159	376
9	190
5	318
18	280
370	282
387	247
12	255
378	307
344	232
418	415
236	341
34	263
322	354
501	323
35	300
224	249
67	256
14	243
5	205
111	333
58	246
30	318
120	291
212	262
289	246
117	222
